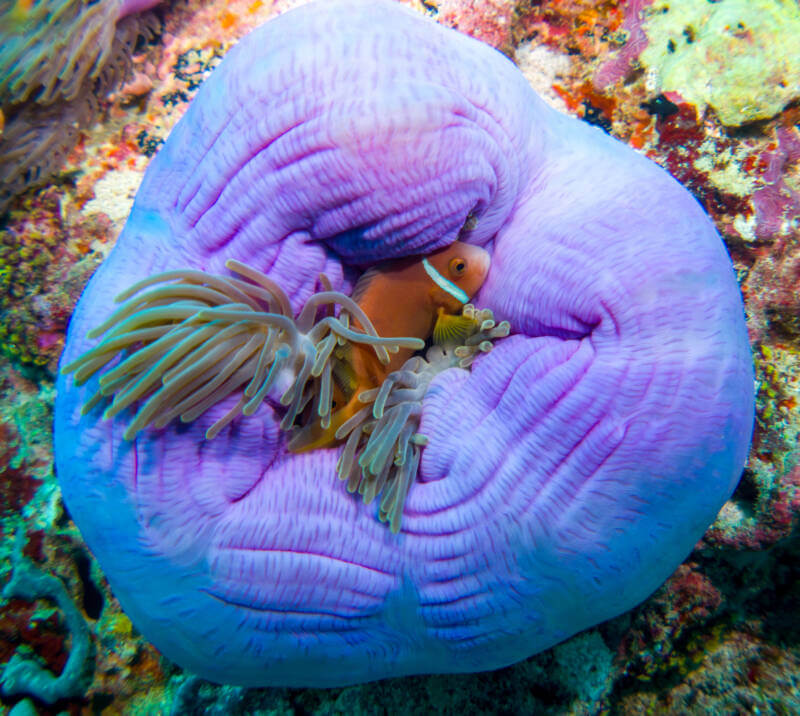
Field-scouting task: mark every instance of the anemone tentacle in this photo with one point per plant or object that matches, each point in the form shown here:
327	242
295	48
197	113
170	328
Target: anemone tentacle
186	340
382	454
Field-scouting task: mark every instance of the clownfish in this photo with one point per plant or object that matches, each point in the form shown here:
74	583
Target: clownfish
414	297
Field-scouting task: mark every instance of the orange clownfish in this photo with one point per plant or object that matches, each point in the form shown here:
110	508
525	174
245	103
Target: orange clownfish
415	297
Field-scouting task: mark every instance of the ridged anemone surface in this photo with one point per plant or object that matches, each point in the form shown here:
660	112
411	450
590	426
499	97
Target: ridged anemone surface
566	475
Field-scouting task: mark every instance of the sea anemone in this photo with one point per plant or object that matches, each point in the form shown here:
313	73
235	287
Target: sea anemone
56	59
566	473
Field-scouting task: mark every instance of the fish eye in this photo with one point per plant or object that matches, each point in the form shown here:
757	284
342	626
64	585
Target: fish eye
457	266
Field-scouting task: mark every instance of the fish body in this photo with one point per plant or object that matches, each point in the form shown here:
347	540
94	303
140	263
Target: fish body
415	297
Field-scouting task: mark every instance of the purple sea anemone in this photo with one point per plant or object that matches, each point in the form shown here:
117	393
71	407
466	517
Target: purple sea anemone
565	475
56	58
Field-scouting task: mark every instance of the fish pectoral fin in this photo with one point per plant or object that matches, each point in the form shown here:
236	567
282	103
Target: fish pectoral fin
314	437
450	328
344	377
364	282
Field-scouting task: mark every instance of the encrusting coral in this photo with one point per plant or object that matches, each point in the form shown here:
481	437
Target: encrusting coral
192	339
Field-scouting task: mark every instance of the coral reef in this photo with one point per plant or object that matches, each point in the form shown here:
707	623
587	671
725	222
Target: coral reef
719	637
738	57
45	259
23	675
488	20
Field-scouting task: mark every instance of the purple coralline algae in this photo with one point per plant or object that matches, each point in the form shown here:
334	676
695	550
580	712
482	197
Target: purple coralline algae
565	477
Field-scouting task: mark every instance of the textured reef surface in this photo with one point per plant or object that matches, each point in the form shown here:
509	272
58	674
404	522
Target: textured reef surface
720	634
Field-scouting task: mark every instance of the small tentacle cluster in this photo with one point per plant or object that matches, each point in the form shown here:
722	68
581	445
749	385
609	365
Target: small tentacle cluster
383	447
192	339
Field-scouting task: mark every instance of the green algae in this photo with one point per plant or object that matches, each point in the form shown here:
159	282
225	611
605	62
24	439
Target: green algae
738	56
